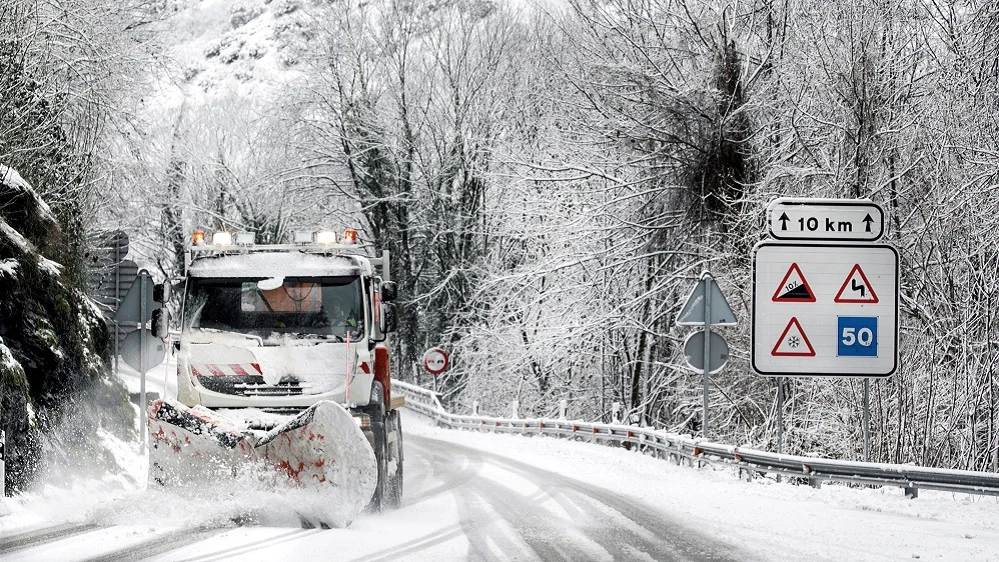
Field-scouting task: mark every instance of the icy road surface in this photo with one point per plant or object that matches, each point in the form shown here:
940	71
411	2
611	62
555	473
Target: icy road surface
473	496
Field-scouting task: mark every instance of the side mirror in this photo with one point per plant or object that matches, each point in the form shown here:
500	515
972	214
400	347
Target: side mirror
161	292
388	291
161	323
389	318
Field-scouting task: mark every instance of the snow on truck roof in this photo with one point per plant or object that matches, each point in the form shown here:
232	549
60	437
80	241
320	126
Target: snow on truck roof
273	264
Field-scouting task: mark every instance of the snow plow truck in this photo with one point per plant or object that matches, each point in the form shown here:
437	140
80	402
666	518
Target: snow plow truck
283	365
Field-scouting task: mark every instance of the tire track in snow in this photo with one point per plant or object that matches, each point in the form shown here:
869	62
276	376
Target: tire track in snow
624	528
39	537
501	524
444	471
157	545
246	548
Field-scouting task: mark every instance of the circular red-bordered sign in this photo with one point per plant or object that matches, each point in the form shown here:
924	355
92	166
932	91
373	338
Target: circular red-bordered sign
435	361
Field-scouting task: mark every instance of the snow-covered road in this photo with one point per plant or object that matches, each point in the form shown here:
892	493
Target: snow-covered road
472	496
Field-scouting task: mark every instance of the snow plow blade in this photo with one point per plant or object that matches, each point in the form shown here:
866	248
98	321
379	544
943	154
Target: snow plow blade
321	447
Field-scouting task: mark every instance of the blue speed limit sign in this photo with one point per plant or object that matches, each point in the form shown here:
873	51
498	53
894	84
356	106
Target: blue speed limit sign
858	336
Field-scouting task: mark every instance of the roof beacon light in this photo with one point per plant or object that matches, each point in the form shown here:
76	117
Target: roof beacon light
325	237
199	238
350	236
222	238
302	237
245	238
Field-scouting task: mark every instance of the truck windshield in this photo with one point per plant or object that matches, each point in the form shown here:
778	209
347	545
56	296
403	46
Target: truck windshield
301	306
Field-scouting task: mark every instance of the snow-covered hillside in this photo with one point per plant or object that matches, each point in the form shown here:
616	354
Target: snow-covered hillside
220	49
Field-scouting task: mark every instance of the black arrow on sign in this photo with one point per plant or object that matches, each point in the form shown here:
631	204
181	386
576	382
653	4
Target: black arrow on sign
783	221
869	221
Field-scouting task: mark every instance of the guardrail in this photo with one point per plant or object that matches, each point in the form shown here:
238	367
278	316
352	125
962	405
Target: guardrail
681	449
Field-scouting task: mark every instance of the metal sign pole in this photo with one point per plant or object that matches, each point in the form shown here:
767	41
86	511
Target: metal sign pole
707	351
142	363
780	416
867	420
117	298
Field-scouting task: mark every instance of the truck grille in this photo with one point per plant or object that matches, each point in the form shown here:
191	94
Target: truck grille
252	385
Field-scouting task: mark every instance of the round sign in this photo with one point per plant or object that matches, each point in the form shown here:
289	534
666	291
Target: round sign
435	361
693	351
153	350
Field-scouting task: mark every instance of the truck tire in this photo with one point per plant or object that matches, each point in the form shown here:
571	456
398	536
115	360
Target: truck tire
394	492
380	497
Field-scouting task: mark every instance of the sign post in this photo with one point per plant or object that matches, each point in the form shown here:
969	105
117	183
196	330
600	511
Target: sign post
706	352
825	295
136	309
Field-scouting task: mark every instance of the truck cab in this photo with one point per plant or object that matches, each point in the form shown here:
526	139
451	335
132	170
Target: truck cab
272	328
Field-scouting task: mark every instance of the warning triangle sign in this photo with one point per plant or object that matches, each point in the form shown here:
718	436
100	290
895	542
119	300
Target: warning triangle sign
794	287
856	289
793	342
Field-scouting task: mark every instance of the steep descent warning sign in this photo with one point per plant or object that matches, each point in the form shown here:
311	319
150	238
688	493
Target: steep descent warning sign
856	289
793	342
794	287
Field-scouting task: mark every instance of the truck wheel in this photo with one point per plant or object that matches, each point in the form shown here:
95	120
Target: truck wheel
380	497
394	496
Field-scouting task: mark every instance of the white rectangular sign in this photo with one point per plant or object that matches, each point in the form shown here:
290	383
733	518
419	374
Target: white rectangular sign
825	309
832	220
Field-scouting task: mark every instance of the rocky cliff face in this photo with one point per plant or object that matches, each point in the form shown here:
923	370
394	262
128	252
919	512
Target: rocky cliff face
55	386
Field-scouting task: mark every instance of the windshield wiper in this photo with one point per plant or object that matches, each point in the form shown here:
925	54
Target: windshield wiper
321	337
258	339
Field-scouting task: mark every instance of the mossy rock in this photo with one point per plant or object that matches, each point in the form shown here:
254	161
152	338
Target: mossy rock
23	448
55	382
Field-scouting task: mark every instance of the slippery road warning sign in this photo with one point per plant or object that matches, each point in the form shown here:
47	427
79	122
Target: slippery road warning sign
794	287
825	309
793	342
856	289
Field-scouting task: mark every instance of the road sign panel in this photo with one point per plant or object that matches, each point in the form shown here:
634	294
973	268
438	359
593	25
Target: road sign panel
692	313
856	289
794	287
834	220
874	267
858	336
110	286
693	352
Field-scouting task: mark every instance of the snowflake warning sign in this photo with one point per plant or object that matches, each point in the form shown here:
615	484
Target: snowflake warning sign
793	342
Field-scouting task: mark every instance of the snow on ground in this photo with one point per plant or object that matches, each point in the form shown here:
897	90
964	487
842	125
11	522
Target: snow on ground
779	521
776	521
